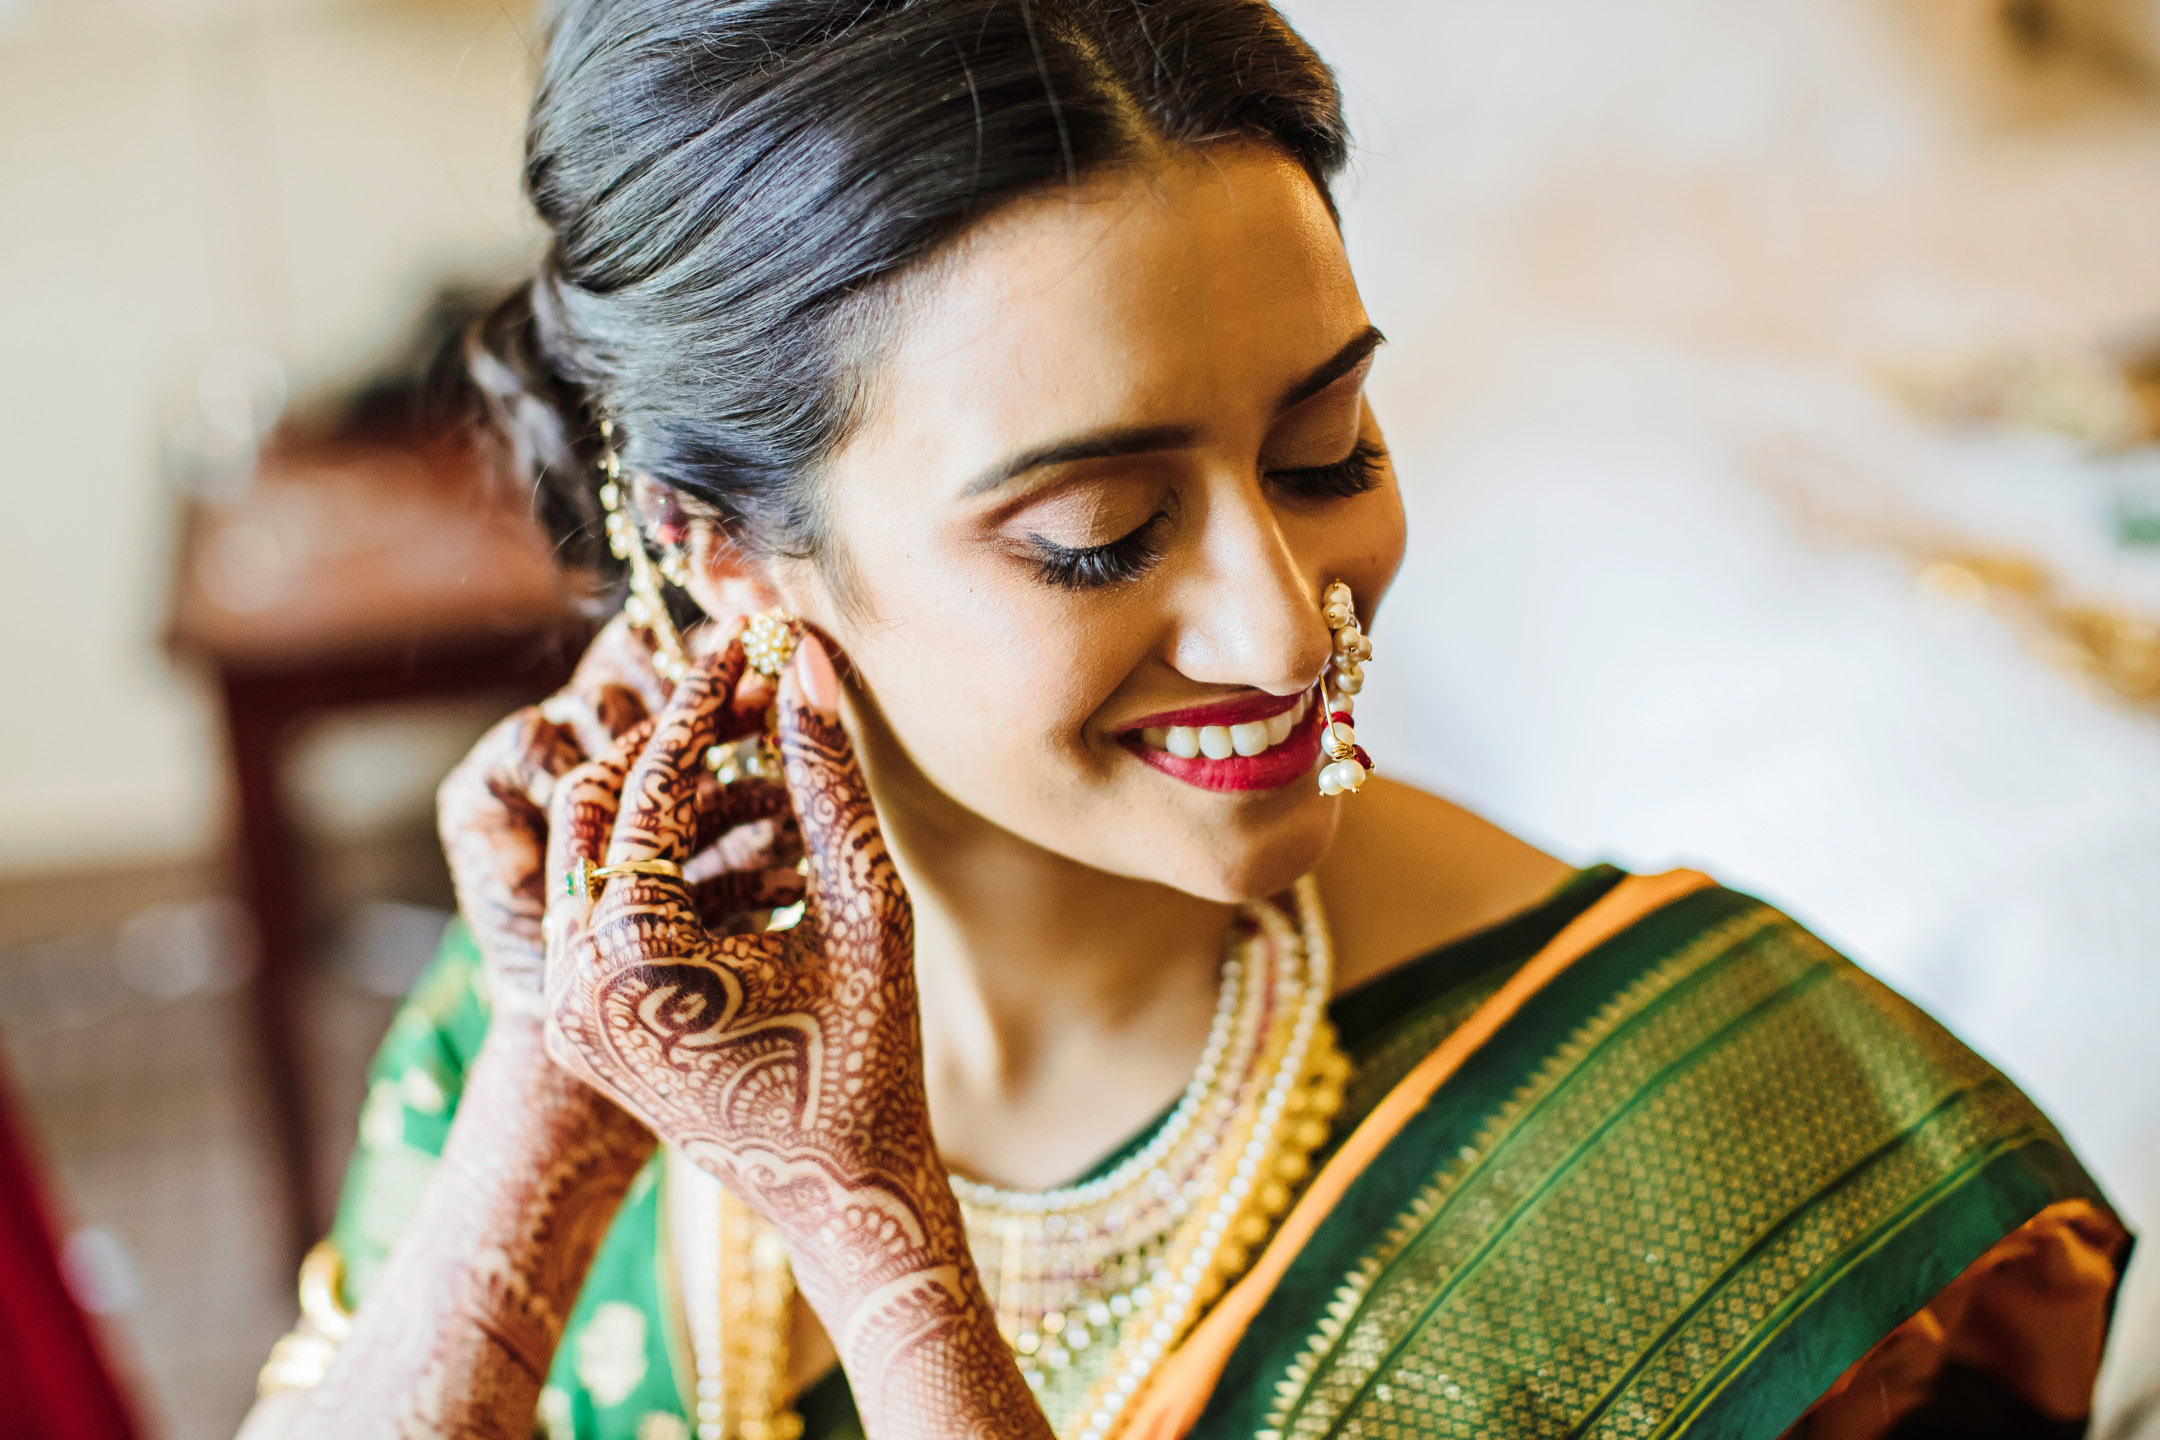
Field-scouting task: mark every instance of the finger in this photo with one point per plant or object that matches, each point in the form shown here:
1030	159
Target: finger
658	819
598	716
620	656
725	898
761	845
580	821
857	902
722	809
769	844
753	697
490	813
514	764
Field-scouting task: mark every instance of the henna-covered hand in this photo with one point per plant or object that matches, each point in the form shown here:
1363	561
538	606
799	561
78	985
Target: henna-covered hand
456	1336
788	1064
492	812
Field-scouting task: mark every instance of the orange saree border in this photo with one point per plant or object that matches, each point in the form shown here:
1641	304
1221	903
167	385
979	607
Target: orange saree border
1173	1403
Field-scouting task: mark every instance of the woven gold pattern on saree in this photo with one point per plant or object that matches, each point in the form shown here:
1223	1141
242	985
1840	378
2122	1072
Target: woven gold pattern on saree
1630	1225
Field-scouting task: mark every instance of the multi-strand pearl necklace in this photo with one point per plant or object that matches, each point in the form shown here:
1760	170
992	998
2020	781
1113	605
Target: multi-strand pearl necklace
1096	1283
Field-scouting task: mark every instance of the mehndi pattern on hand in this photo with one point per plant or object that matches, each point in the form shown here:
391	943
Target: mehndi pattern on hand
788	1063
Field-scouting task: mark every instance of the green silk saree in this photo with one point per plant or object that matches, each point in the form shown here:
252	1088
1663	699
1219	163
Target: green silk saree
1689	1182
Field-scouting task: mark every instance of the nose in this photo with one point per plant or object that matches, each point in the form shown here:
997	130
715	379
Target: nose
1249	614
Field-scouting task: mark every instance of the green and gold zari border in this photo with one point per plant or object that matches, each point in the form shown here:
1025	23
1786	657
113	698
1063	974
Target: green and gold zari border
1686	1187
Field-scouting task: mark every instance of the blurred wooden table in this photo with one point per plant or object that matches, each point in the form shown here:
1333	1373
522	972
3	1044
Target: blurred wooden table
348	575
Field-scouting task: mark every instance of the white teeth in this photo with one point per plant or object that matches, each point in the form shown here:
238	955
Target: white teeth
1220	742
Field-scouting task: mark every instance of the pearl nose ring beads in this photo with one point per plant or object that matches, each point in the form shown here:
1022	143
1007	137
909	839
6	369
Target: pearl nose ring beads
1348	764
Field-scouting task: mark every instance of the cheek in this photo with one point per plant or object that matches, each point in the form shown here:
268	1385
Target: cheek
989	680
1391	542
1366	546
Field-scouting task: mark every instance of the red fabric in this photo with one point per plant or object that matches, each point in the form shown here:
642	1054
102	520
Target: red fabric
54	1384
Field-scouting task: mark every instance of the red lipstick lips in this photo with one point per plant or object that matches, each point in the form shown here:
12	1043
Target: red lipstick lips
1257	706
1289	759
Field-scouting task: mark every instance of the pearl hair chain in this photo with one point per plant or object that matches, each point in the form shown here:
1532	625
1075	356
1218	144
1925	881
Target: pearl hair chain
645	605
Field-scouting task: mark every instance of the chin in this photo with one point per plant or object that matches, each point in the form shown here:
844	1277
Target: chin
1236	862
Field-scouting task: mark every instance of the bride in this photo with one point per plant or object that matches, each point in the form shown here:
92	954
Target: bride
946	966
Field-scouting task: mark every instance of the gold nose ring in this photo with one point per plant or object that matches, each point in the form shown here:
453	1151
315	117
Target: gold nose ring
581	881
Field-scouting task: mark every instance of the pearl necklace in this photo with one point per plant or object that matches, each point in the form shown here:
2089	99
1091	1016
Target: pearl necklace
1095	1283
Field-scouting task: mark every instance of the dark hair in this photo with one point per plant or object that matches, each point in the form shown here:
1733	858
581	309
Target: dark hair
728	182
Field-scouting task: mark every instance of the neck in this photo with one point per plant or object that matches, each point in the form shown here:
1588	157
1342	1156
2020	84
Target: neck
1062	1005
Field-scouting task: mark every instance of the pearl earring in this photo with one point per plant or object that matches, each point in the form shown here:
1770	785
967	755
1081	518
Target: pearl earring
768	640
1348	764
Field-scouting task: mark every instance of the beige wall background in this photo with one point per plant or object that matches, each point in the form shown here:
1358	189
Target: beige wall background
178	177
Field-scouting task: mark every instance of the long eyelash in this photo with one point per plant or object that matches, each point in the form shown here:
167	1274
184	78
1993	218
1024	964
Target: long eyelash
1354	474
1094	566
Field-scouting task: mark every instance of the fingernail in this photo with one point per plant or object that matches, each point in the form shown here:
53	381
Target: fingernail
814	676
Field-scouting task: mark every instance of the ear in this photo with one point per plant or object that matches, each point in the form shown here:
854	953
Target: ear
725	579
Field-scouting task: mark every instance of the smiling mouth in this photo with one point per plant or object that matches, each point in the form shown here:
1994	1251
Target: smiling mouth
1221	742
1263	753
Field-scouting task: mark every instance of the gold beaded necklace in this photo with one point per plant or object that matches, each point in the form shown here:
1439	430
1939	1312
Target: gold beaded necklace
1095	1283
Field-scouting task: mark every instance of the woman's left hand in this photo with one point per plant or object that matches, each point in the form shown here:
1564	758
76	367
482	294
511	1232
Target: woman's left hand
789	1064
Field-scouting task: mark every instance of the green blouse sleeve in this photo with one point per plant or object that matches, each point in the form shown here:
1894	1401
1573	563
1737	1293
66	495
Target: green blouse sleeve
414	1085
616	1373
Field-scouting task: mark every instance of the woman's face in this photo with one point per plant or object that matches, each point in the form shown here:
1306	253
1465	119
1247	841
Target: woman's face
1115	446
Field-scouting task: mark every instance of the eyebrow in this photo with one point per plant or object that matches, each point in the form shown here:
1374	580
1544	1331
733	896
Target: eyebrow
1341	363
1147	439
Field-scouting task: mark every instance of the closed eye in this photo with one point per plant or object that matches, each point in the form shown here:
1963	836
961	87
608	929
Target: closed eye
1354	474
1092	567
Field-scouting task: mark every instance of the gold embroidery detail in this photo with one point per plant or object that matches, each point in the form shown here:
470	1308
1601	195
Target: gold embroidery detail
1630	1277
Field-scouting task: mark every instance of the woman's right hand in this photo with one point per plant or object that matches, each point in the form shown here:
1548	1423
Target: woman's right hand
492	812
788	1063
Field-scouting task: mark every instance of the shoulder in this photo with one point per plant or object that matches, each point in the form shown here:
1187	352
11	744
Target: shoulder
1410	871
1708	1130
1787	1058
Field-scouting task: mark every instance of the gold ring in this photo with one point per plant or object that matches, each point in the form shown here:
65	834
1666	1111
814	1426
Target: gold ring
581	880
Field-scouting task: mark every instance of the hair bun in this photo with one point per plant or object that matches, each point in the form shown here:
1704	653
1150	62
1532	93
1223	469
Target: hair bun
540	428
